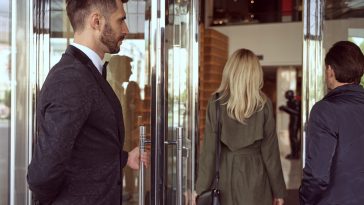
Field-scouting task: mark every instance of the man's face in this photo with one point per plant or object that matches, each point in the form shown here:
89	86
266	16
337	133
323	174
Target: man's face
115	29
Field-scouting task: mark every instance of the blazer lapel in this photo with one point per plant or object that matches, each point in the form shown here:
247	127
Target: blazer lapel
105	87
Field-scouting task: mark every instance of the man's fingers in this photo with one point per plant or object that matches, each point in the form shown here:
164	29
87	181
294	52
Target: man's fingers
145	158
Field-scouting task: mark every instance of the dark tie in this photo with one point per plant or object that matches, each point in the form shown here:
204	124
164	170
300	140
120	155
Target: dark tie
104	71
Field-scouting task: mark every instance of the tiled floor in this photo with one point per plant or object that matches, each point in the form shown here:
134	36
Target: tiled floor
291	170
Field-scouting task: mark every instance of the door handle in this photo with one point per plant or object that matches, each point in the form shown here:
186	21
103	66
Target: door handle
181	151
142	142
179	174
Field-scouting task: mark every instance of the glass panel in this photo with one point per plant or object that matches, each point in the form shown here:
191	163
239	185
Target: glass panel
232	12
152	79
312	68
356	35
176	80
21	100
128	78
5	101
180	94
136	14
61	32
172	60
324	24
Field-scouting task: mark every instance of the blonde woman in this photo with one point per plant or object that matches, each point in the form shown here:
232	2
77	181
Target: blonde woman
250	166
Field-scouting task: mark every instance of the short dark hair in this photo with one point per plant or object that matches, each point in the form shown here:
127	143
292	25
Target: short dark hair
77	10
347	61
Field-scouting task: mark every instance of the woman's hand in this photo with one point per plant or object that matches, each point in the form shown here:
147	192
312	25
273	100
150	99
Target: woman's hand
278	201
194	195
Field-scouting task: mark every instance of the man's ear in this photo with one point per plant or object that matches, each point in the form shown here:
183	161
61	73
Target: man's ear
330	71
96	21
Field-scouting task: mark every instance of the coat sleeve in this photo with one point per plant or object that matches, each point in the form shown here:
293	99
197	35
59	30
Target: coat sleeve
207	157
270	154
63	109
124	158
320	150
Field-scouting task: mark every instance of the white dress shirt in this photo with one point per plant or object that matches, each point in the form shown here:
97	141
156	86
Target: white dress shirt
96	60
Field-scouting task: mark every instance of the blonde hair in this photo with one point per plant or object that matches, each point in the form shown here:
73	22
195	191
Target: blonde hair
241	85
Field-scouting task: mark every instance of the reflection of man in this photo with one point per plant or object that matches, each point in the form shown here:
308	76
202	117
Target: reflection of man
334	168
133	103
119	72
293	108
78	156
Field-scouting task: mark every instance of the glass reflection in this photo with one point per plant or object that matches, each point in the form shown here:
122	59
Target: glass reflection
312	69
5	100
127	76
357	36
321	30
180	65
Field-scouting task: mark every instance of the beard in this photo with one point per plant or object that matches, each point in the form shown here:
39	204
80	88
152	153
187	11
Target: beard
109	40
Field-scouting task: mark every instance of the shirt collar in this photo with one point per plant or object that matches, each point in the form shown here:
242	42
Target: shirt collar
96	60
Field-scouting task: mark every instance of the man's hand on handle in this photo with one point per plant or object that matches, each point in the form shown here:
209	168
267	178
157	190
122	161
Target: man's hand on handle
135	157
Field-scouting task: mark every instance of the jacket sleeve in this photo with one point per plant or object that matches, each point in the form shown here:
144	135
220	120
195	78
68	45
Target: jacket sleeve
124	158
207	157
64	108
320	150
270	154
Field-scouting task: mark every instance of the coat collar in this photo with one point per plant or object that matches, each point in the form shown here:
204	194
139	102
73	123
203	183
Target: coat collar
104	85
344	89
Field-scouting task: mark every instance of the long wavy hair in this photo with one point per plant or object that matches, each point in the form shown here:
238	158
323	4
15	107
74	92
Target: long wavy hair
241	85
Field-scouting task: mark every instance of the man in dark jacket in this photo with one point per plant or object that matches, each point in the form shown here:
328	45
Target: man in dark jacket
78	155
334	168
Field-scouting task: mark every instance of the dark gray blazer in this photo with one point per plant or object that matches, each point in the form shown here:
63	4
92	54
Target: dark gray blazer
78	156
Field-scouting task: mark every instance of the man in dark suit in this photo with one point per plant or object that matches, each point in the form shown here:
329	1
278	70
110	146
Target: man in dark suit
334	168
78	156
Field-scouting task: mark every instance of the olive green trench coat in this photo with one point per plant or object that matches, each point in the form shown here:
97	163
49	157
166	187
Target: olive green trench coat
250	170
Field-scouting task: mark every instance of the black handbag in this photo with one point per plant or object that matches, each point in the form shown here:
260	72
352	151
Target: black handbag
212	196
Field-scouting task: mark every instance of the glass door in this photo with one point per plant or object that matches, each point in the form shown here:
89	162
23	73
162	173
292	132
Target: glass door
155	76
325	23
172	60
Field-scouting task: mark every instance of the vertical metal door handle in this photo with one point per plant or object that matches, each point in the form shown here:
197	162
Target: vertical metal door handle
142	141
179	193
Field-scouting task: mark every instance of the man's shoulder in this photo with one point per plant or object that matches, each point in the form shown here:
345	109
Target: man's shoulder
68	72
67	65
322	106
69	60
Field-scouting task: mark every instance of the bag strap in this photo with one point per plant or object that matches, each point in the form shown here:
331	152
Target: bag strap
218	144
